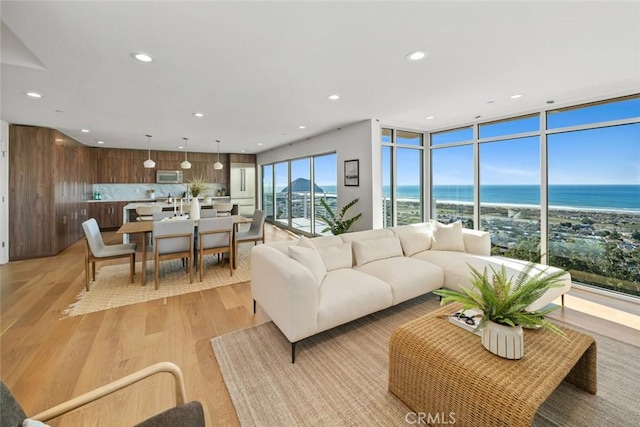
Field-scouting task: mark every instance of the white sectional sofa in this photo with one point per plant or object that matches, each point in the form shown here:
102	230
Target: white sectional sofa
308	286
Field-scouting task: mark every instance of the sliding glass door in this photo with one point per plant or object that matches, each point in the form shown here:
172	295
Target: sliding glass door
282	207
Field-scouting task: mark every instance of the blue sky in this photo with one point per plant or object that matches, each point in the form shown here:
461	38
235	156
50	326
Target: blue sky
596	156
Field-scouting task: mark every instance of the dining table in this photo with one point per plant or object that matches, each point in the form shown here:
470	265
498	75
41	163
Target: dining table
146	227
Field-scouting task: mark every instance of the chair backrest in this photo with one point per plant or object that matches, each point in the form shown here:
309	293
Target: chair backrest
92	233
172	245
257	225
208	213
157	216
223	208
216	240
148	209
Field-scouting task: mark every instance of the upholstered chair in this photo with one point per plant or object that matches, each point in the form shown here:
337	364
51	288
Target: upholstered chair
223	209
208	213
96	250
256	230
173	240
159	216
215	236
188	414
145	212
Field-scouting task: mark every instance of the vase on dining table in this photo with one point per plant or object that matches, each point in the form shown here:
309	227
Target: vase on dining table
194	211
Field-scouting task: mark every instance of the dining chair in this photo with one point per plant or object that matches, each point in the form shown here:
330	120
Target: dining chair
208	213
96	250
188	414
145	212
223	209
256	230
159	216
215	236
173	240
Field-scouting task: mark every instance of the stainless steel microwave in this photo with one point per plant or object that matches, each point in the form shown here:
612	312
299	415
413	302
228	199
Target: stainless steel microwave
169	177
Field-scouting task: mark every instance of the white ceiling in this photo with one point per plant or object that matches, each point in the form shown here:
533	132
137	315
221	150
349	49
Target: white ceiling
258	70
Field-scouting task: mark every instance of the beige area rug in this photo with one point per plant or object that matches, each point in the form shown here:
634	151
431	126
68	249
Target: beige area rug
340	377
112	288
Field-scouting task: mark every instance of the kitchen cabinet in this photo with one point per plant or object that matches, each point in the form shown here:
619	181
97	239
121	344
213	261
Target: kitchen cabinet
120	166
107	214
48	174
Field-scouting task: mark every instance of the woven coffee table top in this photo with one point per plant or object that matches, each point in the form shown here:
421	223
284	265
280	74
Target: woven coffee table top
431	349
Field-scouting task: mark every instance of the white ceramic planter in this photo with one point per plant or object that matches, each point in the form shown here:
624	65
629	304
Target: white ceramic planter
194	211
504	341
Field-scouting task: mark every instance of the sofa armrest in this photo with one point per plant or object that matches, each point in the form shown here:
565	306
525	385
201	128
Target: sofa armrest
476	242
286	290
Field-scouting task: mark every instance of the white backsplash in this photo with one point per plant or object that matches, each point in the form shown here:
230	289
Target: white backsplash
142	191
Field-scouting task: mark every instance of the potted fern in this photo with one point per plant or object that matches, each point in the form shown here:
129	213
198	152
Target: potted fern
336	223
503	304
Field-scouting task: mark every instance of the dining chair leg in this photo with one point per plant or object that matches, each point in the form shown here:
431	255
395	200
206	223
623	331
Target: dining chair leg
87	265
156	261
93	270
132	267
191	266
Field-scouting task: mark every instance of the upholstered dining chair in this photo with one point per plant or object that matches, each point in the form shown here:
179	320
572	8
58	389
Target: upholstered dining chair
173	240
188	414
96	250
223	209
215	236
145	212
208	213
159	216
256	230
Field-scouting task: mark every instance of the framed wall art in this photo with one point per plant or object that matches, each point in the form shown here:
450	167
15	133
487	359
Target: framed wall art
351	173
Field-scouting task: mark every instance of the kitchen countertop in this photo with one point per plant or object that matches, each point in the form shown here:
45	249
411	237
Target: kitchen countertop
147	201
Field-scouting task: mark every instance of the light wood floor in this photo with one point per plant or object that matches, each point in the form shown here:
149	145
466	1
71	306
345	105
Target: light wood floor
45	360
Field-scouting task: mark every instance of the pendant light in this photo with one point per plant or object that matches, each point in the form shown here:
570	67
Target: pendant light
149	163
217	165
185	164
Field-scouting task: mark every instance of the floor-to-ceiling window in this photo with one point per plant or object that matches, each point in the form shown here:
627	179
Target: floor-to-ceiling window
510	186
297	186
402	176
594	193
452	179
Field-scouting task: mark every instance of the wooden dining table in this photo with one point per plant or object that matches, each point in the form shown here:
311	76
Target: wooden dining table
146	227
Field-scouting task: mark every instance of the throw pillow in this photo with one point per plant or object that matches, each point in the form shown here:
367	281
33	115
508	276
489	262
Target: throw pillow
337	256
412	243
310	258
366	251
447	237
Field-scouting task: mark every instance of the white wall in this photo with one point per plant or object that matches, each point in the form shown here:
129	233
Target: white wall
4	192
360	141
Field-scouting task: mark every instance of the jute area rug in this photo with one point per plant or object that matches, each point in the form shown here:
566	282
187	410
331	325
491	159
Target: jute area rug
340	377
112	288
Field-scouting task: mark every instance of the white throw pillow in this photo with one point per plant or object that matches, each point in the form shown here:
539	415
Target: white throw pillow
366	251
337	256
310	258
412	243
447	237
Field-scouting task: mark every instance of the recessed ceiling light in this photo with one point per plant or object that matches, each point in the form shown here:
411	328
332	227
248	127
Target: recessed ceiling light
516	96
198	114
551	101
100	142
142	57
333	97
84	130
180	147
34	95
243	150
59	111
429	117
259	143
477	117
490	102
302	127
416	55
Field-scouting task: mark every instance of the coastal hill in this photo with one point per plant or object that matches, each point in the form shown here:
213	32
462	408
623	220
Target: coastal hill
302	185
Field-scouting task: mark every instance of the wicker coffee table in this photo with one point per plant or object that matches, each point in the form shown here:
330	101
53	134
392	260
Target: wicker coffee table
439	368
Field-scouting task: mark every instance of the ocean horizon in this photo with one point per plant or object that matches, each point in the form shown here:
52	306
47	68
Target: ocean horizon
599	197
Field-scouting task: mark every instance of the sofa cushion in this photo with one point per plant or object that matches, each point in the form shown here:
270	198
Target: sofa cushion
407	277
412	243
336	256
447	237
310	258
374	249
347	294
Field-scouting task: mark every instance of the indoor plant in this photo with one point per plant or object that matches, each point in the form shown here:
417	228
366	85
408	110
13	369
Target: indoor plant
503	303
336	223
